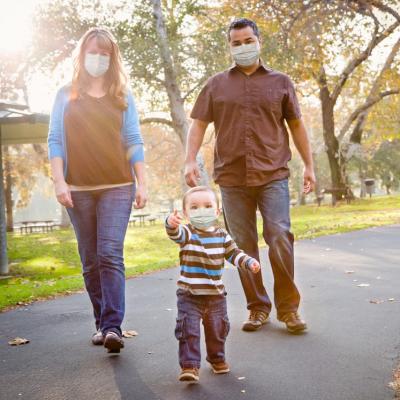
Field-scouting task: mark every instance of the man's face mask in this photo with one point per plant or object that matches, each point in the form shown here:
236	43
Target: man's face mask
203	218
246	54
96	64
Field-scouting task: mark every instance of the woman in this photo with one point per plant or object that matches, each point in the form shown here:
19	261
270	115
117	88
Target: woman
96	155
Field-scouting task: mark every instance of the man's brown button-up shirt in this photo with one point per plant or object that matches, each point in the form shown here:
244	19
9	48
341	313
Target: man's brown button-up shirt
248	111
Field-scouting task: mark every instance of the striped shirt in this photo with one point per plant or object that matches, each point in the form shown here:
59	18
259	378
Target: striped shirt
202	255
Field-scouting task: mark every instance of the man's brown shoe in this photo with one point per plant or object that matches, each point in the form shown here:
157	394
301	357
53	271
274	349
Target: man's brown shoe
220	368
255	321
190	375
294	323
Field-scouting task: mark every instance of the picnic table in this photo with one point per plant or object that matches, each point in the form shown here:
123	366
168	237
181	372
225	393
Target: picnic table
141	217
36	226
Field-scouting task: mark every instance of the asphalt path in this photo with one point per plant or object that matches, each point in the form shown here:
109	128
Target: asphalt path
348	354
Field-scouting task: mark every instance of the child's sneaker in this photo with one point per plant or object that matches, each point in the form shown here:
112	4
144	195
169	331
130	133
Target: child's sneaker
220	367
190	375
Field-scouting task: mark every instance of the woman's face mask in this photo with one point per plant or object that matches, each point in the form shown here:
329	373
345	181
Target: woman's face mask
246	54
203	218
96	64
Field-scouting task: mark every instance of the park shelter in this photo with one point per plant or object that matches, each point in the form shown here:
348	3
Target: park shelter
17	126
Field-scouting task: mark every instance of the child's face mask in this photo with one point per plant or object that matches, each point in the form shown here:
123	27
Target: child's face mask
203	218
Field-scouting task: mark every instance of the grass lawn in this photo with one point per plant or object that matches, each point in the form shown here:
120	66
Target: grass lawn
43	265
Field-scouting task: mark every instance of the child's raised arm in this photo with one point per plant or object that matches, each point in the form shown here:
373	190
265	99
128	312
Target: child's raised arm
237	257
178	233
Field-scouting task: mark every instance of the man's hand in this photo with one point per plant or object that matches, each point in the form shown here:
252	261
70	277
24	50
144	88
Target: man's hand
174	220
308	180
140	197
254	266
63	193
192	173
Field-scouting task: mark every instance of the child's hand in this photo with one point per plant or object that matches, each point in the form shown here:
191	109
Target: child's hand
174	220
254	267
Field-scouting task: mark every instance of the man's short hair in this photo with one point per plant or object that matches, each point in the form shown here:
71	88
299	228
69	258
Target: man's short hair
198	189
241	23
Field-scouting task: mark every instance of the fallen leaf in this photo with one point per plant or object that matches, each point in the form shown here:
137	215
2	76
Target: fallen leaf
240	378
149	352
349	272
168	309
129	334
18	341
363	285
243	391
391	299
376	301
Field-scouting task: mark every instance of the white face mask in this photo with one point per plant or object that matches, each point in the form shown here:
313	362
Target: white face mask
96	64
203	218
246	54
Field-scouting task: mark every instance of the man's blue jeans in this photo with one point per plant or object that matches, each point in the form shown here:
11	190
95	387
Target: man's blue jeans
100	219
212	310
240	205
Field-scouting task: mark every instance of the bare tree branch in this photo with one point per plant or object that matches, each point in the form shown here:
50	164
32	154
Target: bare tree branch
157	120
383	7
372	93
355	62
368	104
195	87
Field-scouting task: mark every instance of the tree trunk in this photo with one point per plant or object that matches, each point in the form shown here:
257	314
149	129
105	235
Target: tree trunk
176	102
331	142
8	191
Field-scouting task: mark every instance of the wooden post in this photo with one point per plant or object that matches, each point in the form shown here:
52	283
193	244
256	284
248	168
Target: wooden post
3	224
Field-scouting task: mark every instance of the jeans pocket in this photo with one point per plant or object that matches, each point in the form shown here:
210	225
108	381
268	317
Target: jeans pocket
180	329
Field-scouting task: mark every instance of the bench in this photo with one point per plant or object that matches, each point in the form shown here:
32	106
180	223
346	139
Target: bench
132	221
26	227
338	193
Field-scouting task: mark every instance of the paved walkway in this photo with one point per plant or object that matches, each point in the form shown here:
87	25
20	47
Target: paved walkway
348	354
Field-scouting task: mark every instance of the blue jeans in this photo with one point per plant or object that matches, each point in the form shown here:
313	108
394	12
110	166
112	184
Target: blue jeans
212	310
100	219
240	205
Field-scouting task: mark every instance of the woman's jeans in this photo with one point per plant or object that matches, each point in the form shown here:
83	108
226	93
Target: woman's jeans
212	310
240	205
100	219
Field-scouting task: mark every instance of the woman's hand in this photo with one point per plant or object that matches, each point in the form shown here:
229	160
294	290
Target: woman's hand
174	220
140	196
63	193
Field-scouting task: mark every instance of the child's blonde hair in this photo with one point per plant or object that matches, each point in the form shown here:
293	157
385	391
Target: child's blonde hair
115	78
198	189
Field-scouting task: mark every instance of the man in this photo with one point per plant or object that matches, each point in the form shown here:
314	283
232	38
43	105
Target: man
249	104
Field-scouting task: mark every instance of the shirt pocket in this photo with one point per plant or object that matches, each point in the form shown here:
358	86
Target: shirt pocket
272	99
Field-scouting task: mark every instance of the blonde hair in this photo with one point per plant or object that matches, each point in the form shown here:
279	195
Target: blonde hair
116	80
198	189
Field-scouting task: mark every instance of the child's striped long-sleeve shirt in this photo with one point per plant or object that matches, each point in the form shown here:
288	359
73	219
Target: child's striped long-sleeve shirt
202	256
